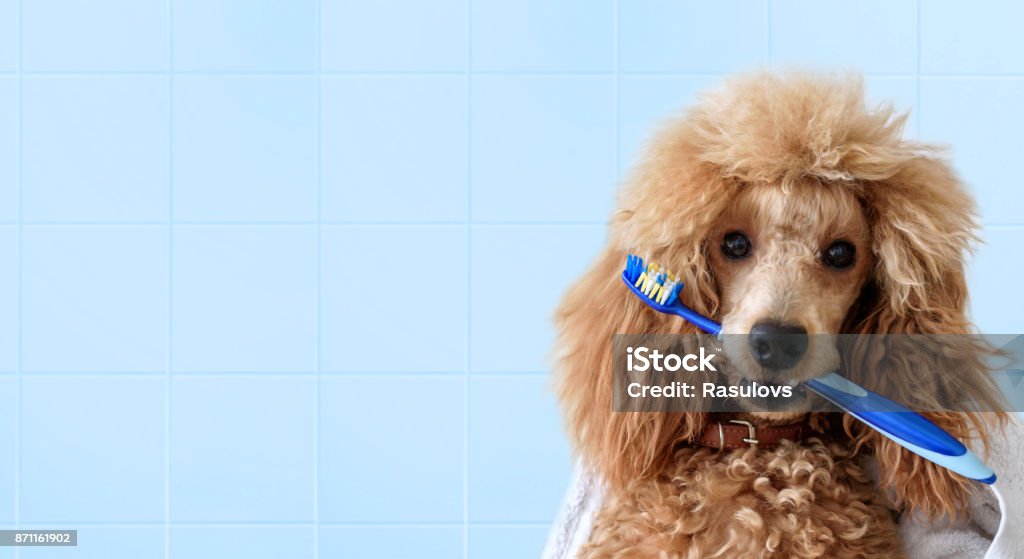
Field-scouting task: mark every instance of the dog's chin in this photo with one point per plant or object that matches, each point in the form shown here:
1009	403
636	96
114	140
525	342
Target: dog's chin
743	372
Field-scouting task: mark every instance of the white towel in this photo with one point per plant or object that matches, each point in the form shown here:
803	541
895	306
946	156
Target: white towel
995	531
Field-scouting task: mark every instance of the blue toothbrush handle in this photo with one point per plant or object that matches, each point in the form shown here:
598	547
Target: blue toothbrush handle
902	425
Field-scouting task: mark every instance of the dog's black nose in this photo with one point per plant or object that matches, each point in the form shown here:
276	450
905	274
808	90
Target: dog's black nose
775	345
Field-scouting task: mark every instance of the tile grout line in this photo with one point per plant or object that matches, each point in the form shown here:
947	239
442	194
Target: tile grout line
917	73
280	523
20	249
469	280
616	92
410	374
309	224
534	74
317	357
169	383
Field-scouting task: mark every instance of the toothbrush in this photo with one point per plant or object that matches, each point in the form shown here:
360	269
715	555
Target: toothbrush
659	289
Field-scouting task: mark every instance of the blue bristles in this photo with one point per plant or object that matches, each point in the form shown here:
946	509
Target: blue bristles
634	267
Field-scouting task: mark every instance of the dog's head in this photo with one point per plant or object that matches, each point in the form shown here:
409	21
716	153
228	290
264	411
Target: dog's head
788	265
793	213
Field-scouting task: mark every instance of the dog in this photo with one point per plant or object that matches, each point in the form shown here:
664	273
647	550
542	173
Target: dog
794	213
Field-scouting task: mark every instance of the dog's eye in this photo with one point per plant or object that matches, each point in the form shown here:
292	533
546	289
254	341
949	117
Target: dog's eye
736	245
839	255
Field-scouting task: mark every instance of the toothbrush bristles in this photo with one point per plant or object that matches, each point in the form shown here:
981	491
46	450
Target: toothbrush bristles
658	284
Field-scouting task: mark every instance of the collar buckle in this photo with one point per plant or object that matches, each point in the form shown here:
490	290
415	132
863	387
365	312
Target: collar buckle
752	439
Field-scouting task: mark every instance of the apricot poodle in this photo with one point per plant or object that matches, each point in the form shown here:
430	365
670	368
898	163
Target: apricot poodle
789	207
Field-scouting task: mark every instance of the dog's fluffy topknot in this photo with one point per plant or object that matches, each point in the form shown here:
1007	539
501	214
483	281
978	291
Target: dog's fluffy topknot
782	128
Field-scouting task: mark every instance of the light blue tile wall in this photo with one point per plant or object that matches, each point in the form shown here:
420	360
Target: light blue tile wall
98	36
276	277
386	133
75	426
515	168
9	299
88	123
396	36
644	101
94	299
244	148
983	38
691	36
538	29
251	542
241	448
984	138
8	149
899	90
408	328
9	32
506	541
9	461
104	541
244	298
870	35
515	442
367	477
397	541
518	273
245	35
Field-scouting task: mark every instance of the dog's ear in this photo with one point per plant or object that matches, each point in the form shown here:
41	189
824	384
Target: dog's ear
922	225
665	213
621	446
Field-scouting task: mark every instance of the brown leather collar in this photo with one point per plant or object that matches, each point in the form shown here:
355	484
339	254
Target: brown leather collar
738	434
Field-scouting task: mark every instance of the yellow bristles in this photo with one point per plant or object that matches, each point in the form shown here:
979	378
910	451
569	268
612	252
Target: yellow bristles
656	283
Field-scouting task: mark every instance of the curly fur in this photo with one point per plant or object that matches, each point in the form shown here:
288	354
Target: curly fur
794	136
798	501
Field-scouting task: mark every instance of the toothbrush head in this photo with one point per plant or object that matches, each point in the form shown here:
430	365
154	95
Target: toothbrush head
653	282
659	289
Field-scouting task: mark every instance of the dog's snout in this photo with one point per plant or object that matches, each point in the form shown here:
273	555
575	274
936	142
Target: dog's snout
776	345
